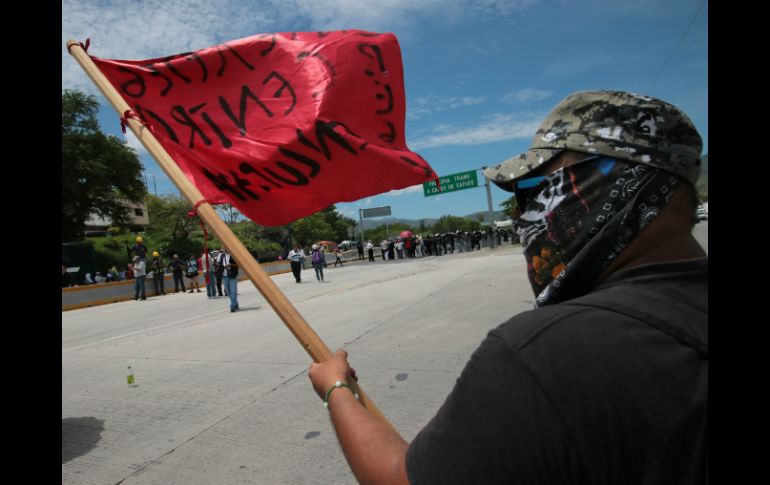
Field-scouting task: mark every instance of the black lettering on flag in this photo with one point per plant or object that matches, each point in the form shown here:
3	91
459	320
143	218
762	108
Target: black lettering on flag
181	116
267	51
284	84
195	57
138	82
232	51
299	177
389	137
240	122
390	101
166	126
155	73
247	169
315	167
324	130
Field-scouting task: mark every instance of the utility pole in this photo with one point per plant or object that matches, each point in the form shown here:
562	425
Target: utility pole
154	185
361	219
491	213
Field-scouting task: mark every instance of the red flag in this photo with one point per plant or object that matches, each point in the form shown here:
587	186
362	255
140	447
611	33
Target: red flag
279	125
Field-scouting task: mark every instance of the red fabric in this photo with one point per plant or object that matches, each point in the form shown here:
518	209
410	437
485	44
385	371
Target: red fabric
280	125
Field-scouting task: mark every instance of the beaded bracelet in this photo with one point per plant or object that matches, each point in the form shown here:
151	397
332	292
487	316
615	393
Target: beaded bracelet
335	386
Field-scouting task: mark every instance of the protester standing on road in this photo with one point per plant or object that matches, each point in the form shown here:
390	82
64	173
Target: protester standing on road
317	258
209	271
338	254
219	271
192	274
295	257
158	273
370	250
230	278
606	381
177	270
140	273
361	251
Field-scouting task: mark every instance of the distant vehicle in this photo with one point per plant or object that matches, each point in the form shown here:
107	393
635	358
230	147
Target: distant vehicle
348	245
329	246
702	214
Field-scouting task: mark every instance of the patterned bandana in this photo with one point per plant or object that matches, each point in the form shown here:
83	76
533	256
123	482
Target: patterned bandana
581	217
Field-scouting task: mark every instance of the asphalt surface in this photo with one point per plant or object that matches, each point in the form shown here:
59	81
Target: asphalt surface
224	397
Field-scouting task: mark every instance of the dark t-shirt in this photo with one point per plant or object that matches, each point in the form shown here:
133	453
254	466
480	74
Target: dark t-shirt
611	387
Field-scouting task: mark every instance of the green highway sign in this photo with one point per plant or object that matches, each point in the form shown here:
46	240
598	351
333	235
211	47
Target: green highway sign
376	211
451	183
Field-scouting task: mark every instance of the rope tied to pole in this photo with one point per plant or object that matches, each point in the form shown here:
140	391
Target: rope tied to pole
85	47
130	114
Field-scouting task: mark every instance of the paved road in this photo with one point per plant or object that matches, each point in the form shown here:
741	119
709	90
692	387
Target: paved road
224	398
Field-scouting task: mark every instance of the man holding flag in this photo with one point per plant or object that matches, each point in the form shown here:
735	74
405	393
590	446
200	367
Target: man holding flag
607	380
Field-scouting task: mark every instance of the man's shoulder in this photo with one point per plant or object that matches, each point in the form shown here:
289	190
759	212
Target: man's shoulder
652	305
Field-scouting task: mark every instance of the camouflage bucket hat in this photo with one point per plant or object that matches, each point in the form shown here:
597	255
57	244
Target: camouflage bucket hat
617	124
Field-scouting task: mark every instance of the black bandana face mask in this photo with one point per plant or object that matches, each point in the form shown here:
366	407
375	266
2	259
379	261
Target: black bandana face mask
576	220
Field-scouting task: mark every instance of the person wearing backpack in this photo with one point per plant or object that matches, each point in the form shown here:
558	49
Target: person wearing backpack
317	257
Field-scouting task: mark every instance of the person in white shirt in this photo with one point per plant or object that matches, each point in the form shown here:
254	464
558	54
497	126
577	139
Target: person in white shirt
370	250
140	273
208	268
295	258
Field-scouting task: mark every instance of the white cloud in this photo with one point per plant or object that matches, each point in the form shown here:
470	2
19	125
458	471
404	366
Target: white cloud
409	190
427	105
384	15
151	28
527	95
495	128
368	201
133	142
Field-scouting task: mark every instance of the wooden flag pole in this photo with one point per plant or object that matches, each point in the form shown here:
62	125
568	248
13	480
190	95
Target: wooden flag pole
301	330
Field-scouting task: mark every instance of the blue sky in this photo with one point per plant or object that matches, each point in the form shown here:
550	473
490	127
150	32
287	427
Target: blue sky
480	76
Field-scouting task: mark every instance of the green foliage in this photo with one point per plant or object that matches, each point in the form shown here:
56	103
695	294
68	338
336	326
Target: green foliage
509	205
257	238
338	223
97	169
311	229
451	223
325	225
112	251
171	229
393	230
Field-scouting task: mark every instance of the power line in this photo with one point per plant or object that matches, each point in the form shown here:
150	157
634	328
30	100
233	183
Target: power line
677	46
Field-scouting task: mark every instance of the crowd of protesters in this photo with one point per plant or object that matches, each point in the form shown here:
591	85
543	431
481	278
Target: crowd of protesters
217	267
437	244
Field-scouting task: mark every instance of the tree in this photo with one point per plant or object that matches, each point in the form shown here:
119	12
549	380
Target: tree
451	224
311	229
509	205
257	239
339	223
98	170
171	227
